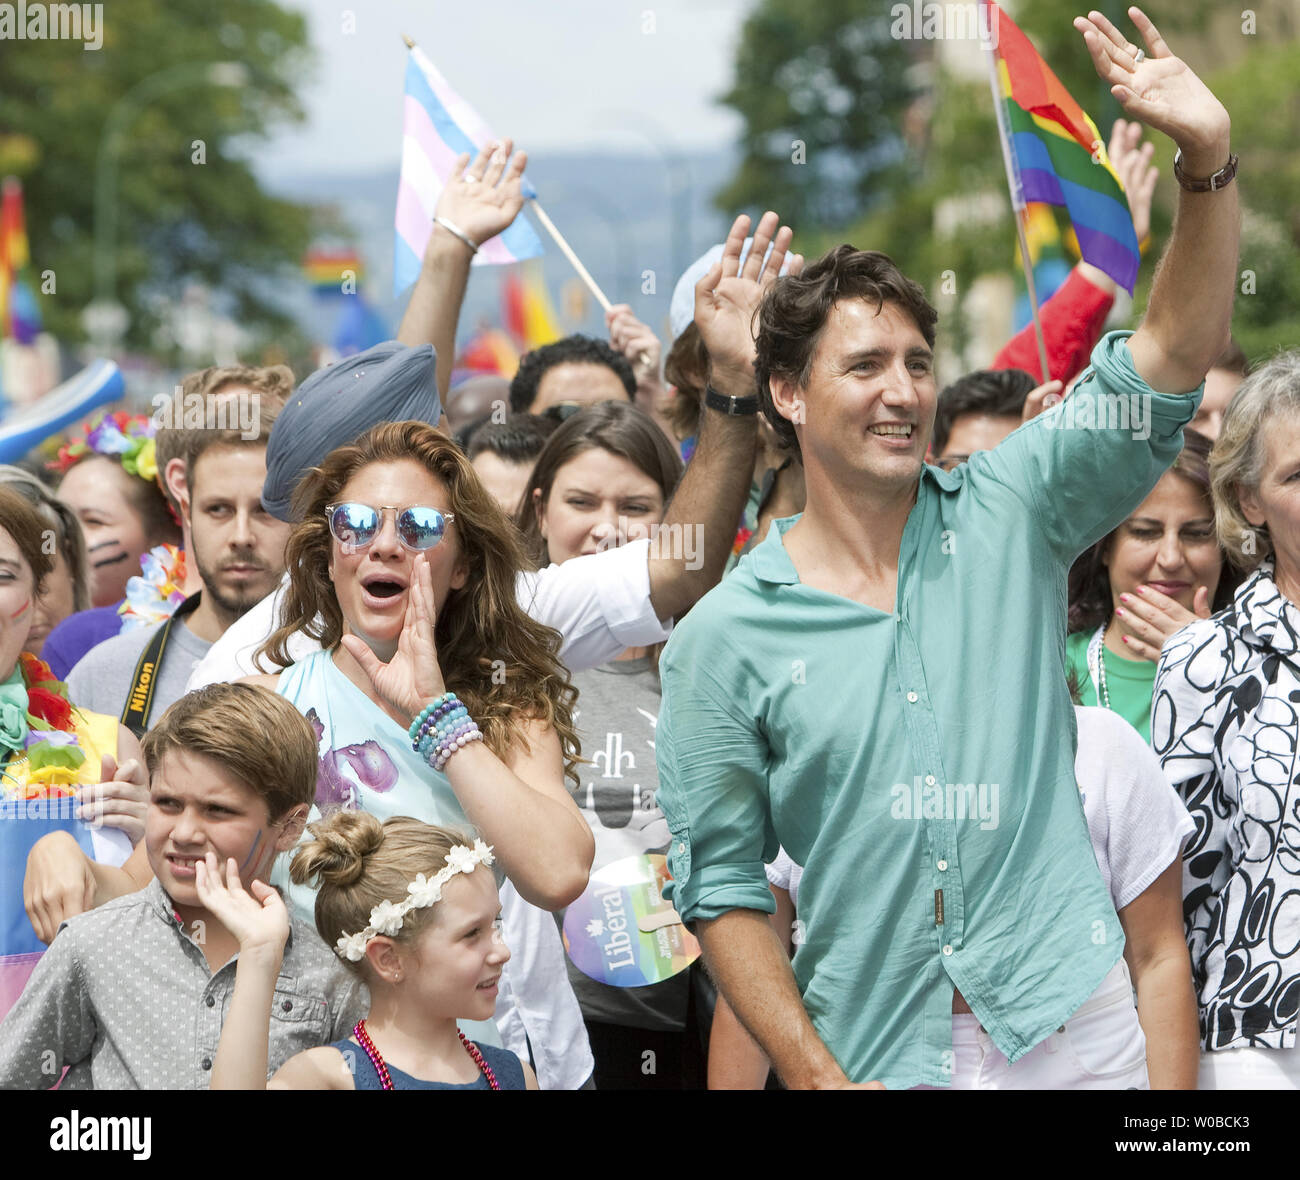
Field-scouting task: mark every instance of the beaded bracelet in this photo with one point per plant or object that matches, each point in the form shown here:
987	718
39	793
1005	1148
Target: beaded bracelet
441	728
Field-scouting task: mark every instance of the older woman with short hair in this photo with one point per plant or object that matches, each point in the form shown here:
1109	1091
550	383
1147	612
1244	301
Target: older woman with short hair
1226	724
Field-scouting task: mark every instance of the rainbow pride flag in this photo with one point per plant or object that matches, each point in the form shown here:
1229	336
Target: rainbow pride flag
1056	155
438	126
326	269
527	310
20	315
489	351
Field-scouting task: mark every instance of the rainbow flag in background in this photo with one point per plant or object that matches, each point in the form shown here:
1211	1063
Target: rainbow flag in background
439	125
489	351
20	315
324	268
527	309
1050	142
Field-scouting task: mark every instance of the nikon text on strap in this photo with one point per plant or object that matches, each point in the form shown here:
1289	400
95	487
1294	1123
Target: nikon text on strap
139	701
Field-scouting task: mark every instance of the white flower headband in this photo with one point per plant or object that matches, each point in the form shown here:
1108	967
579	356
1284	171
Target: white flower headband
387	916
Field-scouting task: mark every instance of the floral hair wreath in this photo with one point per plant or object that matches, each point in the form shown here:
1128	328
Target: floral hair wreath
128	438
387	916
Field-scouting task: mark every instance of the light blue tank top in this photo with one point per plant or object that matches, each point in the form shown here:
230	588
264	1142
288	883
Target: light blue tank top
366	764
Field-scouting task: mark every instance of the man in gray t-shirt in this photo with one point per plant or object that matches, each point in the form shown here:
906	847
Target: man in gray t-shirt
238	550
102	677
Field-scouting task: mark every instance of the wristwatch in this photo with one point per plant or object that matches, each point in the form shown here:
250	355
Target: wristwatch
1210	184
737	407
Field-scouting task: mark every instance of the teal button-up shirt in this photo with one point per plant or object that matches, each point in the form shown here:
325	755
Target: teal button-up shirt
920	764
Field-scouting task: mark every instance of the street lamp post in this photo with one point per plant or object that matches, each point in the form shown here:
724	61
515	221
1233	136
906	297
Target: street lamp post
105	319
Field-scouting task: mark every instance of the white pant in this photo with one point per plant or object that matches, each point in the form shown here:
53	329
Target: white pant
1101	1047
1250	1069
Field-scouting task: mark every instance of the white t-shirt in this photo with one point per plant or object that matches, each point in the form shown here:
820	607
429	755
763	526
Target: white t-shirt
1136	821
600	605
785	874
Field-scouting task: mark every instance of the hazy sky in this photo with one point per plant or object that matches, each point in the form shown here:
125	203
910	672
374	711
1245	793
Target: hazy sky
558	74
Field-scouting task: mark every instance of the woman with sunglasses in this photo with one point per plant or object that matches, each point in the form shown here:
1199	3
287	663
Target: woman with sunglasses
404	567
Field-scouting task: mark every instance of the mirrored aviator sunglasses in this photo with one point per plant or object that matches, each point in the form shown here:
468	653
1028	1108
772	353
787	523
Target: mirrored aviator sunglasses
354	526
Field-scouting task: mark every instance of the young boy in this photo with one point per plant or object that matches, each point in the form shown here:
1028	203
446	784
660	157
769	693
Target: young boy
132	995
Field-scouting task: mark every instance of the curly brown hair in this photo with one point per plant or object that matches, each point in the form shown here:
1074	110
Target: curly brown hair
502	664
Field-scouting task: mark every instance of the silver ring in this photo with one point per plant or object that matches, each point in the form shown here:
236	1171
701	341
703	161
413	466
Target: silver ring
471	179
1139	57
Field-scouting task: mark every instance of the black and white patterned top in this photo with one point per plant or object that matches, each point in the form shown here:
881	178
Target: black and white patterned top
1225	721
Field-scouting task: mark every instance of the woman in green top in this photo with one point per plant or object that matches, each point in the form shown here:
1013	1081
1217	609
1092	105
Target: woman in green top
1161	569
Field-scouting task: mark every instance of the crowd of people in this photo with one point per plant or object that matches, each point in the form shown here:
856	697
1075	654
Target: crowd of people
944	738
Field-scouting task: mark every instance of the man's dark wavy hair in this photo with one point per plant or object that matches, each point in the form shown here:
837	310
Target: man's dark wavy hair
796	307
572	350
998	392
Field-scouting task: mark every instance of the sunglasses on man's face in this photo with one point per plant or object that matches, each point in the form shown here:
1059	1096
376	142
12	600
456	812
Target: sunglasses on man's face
354	526
563	411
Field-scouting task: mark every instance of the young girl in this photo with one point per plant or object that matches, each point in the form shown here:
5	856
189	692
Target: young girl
413	910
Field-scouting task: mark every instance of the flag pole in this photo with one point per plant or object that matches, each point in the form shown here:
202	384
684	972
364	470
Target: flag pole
549	226
568	253
1018	206
1028	268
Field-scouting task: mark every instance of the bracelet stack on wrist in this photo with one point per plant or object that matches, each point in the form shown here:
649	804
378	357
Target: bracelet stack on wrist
441	728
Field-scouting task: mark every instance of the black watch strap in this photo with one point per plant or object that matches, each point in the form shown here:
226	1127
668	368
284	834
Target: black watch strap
738	407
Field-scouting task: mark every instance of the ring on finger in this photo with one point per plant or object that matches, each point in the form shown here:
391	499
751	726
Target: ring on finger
1139	57
471	179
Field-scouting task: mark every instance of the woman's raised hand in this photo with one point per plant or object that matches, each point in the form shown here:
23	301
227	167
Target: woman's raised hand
482	198
412	677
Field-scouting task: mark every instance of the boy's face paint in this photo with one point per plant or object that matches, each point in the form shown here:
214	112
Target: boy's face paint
197	807
22	610
252	852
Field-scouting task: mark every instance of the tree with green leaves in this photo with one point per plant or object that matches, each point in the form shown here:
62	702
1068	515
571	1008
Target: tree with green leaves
957	155
174	86
822	89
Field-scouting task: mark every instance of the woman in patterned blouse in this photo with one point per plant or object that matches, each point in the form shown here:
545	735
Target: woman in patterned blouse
1225	723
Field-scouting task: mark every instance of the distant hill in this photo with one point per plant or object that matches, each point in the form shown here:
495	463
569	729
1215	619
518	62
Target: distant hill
624	215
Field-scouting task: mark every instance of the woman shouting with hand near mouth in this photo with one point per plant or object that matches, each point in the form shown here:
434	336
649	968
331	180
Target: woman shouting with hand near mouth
436	696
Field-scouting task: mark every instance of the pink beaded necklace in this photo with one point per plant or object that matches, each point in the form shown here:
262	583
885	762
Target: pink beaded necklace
386	1081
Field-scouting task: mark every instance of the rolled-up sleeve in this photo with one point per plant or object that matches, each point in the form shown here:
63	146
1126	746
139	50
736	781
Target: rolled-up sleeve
1087	463
713	790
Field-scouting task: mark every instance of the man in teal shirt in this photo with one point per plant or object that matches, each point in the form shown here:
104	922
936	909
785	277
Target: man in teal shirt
880	686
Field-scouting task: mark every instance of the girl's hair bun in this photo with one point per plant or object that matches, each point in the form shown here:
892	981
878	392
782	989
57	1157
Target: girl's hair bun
337	853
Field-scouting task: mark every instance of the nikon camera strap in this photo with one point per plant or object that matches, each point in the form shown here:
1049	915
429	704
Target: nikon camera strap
139	701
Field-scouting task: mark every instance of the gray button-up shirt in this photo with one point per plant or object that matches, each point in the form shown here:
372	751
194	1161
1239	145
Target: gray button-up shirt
125	999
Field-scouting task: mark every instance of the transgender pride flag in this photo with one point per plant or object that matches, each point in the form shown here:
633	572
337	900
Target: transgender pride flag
440	125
